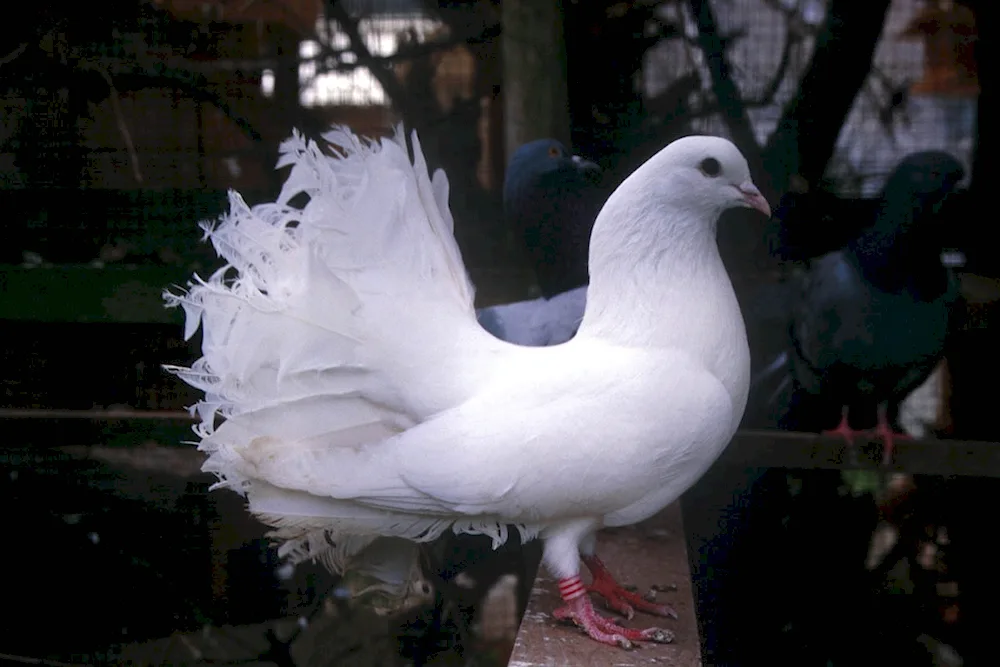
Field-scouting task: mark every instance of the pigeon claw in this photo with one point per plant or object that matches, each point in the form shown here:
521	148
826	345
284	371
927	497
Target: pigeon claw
843	429
581	612
888	437
622	599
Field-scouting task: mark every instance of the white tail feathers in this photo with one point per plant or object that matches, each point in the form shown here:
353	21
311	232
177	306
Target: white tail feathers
307	294
336	301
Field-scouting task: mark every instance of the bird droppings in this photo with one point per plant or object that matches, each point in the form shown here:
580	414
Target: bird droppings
463	580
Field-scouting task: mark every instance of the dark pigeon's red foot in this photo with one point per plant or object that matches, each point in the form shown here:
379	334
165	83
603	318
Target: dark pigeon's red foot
580	611
619	598
888	437
883	431
843	429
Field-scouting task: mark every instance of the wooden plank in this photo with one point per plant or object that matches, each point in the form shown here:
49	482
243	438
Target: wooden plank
648	554
750	448
786	449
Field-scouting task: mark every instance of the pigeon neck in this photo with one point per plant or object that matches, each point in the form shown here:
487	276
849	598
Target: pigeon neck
660	282
901	256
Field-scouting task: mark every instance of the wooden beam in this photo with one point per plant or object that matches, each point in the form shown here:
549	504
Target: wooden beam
785	449
749	448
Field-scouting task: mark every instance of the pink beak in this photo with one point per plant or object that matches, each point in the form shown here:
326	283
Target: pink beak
753	197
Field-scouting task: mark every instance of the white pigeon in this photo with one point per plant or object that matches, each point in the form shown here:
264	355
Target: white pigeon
361	398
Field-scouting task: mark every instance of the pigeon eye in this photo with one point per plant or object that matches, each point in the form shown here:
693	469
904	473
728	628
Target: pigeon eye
710	167
554	151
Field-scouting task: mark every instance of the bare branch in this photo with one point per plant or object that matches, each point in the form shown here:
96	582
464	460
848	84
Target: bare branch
728	96
15	54
139	73
25	660
804	140
119	119
332	59
771	90
379	68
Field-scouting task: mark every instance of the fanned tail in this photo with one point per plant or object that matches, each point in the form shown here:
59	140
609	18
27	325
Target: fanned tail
325	326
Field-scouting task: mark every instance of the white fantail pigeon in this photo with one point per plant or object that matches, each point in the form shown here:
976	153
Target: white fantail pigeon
359	397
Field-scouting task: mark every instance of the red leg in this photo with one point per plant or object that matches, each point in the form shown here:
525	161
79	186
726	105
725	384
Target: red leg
887	435
580	611
620	599
843	429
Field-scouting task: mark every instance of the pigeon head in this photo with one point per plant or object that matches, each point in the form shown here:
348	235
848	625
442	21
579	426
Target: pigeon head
550	199
704	175
913	194
902	247
673	202
923	180
926	174
536	162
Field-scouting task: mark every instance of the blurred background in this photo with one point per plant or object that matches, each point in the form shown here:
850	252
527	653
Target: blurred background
124	124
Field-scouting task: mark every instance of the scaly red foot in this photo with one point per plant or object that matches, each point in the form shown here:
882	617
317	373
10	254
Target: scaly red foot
883	431
887	436
580	611
843	429
619	598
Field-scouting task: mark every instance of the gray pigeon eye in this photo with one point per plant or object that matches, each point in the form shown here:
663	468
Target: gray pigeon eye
710	167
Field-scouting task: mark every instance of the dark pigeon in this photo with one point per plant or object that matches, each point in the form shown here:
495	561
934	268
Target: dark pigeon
551	199
861	327
869	322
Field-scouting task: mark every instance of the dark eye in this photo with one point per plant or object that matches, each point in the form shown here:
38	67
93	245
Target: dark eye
554	151
710	167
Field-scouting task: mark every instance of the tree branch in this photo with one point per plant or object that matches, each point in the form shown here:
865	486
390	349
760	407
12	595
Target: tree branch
807	132
379	68
156	73
15	54
331	59
733	109
116	106
771	90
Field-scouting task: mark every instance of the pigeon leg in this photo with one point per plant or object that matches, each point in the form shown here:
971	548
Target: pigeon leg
580	611
619	598
887	435
843	429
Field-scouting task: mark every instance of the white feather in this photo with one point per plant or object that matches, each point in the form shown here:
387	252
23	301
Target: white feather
361	398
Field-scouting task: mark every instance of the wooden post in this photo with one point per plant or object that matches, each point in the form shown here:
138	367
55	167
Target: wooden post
536	101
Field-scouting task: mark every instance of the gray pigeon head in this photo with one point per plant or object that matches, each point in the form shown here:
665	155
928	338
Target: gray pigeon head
927	175
551	198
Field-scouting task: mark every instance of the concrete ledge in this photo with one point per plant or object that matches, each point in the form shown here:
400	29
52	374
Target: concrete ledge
647	554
